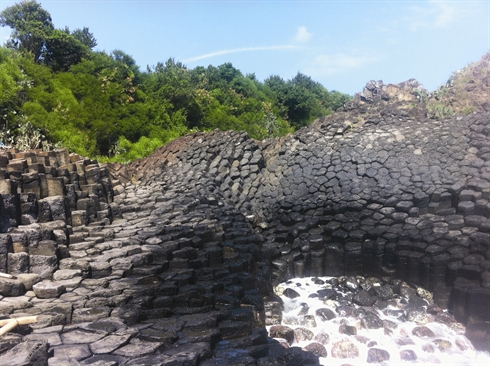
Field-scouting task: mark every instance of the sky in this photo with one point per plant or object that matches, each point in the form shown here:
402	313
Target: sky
340	43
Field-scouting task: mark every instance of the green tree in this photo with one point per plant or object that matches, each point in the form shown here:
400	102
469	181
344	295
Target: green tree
84	37
171	82
63	50
31	26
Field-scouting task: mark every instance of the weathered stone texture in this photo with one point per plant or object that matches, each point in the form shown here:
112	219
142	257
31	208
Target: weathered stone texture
156	268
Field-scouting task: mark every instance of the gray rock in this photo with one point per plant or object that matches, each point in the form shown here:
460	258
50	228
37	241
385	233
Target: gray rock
18	263
80	336
189	354
11	287
44	265
109	343
376	355
33	353
281	331
90	314
317	349
68	354
29	279
66	274
48	289
345	349
53	339
138	349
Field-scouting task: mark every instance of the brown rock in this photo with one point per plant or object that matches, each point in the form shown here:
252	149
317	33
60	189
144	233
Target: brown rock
317	349
345	349
422	332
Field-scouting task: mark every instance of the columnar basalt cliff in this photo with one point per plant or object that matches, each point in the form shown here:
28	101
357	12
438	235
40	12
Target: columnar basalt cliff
171	260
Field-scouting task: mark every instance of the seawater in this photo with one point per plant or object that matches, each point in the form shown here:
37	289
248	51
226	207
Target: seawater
459	352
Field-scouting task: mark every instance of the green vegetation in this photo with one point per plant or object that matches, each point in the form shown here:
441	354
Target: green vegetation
465	92
57	91
439	110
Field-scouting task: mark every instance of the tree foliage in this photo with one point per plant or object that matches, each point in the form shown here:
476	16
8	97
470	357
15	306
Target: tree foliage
101	105
30	24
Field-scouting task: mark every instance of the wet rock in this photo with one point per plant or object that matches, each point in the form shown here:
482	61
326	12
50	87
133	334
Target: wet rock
447	319
307	321
371	321
211	336
408	355
404	341
479	335
351	284
345	349
234	329
317	349
303	334
422	332
288	357
344	310
322	338
189	354
292	294
424	294
327	294
363	298
325	314
417	314
273	311
429	348
230	356
347	329
281	331
377	355
442	344
384	292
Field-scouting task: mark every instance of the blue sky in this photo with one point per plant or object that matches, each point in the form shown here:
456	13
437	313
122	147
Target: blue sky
342	44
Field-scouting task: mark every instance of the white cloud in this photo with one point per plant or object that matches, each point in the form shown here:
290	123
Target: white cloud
302	35
323	65
236	50
436	14
445	15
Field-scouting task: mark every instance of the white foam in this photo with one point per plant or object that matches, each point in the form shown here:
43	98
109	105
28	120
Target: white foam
460	353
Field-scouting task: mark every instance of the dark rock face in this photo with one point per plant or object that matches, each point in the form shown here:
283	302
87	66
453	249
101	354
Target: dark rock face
376	355
217	219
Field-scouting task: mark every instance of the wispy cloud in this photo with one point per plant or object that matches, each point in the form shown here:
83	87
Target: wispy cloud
323	65
237	50
302	35
436	14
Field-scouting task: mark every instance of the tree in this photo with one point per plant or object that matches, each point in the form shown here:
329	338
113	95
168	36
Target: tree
85	37
171	82
63	50
31	26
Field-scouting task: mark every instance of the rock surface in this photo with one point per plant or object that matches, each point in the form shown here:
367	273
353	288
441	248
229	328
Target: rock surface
217	219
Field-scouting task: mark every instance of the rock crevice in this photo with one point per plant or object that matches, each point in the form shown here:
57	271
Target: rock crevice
180	265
